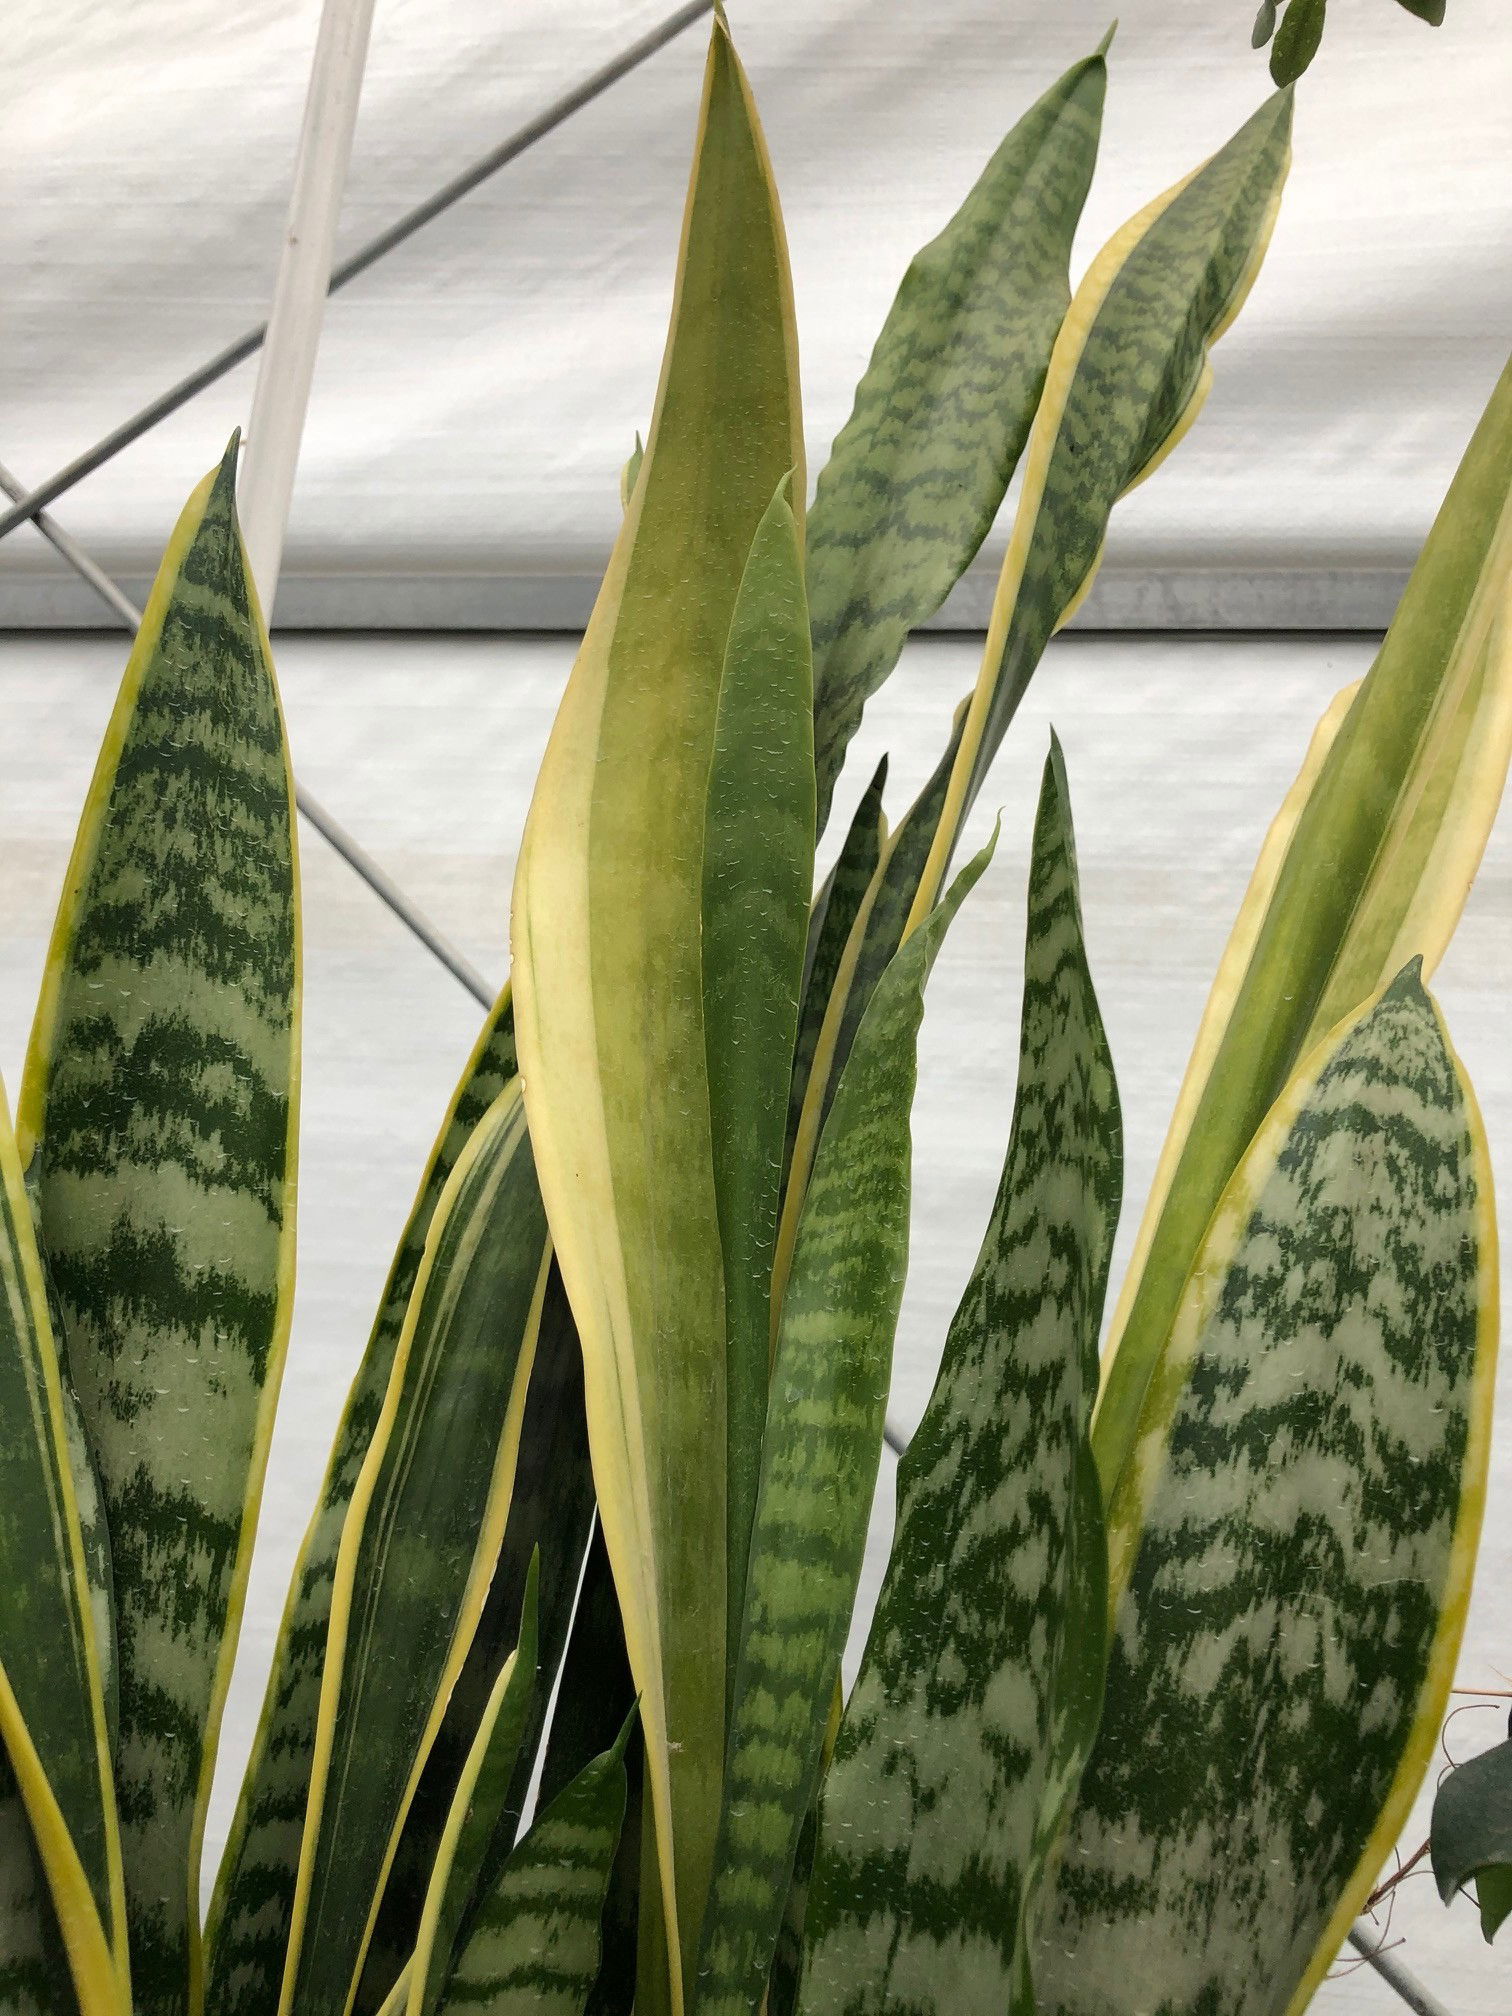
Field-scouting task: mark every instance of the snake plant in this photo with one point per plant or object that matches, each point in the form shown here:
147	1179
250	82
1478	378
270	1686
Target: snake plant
556	1720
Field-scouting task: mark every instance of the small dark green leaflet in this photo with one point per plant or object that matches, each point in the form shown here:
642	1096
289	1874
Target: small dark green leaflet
421	1542
979	1693
550	1514
834	912
758	871
1472	1835
941	415
818	1473
247	1930
1293	1543
1297	39
161	1092
534	1948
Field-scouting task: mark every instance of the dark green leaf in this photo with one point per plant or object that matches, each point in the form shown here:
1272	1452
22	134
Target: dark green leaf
1472	1834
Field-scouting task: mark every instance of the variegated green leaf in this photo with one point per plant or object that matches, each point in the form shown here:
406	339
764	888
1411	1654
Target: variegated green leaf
979	1694
758	870
1128	376
596	1691
834	913
160	1096
534	1948
420	1545
1368	864
477	1837
920	468
57	1807
550	1516
34	1972
1292	1544
247	1931
818	1473
609	981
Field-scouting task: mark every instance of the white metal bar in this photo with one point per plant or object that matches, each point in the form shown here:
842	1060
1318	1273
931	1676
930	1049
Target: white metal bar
287	367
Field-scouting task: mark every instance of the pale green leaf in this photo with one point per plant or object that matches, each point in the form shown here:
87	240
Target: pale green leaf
609	983
1292	1544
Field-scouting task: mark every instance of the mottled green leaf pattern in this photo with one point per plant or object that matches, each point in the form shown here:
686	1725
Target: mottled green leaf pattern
1127	378
981	1686
34	1977
758	870
534	1950
161	1092
917	473
1292	1545
818	1474
249	1917
421	1543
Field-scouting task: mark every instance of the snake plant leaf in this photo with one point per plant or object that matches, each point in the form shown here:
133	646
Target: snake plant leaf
609	983
818	1473
419	1547
980	1689
550	1517
596	1691
757	874
54	1735
475	1835
830	921
246	1934
1472	1834
35	1979
1297	39
158	1116
1368	865
534	1949
1290	1551
1128	376
631	471
918	471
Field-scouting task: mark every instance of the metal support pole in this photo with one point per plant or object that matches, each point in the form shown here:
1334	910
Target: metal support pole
561	109
1366	1940
357	858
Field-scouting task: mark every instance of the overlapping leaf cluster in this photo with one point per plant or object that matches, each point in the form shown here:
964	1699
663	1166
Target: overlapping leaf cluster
557	1721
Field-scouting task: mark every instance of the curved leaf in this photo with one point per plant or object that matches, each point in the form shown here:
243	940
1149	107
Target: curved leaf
918	471
609	982
1128	376
818	1473
1368	865
1291	1550
534	1950
161	1097
981	1687
419	1547
247	1930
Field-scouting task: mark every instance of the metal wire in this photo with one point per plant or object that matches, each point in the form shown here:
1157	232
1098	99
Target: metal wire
31	502
1366	1940
357	858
